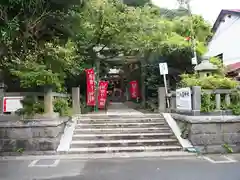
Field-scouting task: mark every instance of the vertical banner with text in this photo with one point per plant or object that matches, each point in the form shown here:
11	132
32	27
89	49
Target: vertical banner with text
102	94
90	87
134	89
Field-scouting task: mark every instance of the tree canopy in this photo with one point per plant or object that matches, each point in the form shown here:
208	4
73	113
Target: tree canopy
136	2
45	42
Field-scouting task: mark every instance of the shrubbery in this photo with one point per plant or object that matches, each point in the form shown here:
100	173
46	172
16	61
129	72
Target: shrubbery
216	81
32	106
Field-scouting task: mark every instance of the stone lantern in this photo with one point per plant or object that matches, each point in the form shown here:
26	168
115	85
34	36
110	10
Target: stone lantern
205	68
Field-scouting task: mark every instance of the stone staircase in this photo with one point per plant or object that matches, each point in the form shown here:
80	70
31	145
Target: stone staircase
122	134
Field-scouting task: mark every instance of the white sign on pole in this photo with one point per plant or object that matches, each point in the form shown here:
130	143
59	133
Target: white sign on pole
12	104
184	99
194	59
163	67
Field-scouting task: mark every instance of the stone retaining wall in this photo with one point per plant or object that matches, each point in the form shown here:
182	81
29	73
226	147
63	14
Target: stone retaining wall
33	135
211	134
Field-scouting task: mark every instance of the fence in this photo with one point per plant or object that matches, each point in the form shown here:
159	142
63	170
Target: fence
222	96
48	98
34	94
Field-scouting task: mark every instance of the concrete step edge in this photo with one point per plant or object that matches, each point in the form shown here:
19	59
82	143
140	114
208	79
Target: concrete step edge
123	134
120	129
121	124
119	155
119	119
133	148
121	141
123	114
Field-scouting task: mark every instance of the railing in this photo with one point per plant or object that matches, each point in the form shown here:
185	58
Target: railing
36	94
221	97
218	94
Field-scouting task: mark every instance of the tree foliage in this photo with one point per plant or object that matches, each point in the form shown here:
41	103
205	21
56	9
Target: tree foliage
136	2
173	13
216	81
46	42
34	41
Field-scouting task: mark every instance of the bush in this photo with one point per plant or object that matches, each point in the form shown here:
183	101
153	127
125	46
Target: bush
61	105
208	82
30	107
207	103
216	81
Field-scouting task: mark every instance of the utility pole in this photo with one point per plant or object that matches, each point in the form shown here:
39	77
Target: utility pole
186	4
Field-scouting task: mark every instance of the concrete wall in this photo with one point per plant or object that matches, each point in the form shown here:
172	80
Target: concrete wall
32	135
210	133
226	40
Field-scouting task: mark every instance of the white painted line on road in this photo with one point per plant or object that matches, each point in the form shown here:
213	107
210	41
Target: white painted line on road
34	163
228	160
181	158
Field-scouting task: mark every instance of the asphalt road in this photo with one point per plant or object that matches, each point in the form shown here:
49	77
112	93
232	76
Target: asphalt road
190	168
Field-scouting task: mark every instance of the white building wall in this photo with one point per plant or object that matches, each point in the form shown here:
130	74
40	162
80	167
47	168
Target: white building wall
227	40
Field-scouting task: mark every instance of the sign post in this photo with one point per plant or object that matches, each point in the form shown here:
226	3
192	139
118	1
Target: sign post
163	67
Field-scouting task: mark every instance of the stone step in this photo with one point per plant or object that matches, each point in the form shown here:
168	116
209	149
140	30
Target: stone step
117	118
123	125
124	149
132	120
125	155
117	143
121	130
114	115
119	136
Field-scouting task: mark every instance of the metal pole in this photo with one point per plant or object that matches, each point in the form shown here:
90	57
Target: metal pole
166	90
193	40
186	4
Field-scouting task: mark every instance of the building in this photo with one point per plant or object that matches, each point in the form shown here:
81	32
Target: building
225	42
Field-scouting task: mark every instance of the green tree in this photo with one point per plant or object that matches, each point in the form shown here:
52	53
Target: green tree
136	2
173	13
177	51
33	41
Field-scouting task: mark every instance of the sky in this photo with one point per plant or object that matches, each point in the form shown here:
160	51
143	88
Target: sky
209	9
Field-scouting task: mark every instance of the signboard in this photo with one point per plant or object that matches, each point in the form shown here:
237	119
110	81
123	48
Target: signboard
194	59
163	67
102	94
184	99
12	104
90	87
134	89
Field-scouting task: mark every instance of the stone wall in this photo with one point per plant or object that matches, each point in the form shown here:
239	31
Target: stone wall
211	134
32	135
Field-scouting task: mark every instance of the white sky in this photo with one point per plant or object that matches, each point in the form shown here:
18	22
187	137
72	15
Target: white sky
209	9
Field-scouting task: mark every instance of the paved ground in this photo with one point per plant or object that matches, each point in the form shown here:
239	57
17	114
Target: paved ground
185	168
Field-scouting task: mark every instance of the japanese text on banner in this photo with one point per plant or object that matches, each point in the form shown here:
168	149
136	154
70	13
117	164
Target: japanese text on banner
90	87
134	89
102	94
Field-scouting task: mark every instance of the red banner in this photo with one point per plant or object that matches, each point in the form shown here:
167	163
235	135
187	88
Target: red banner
102	94
134	89
90	87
